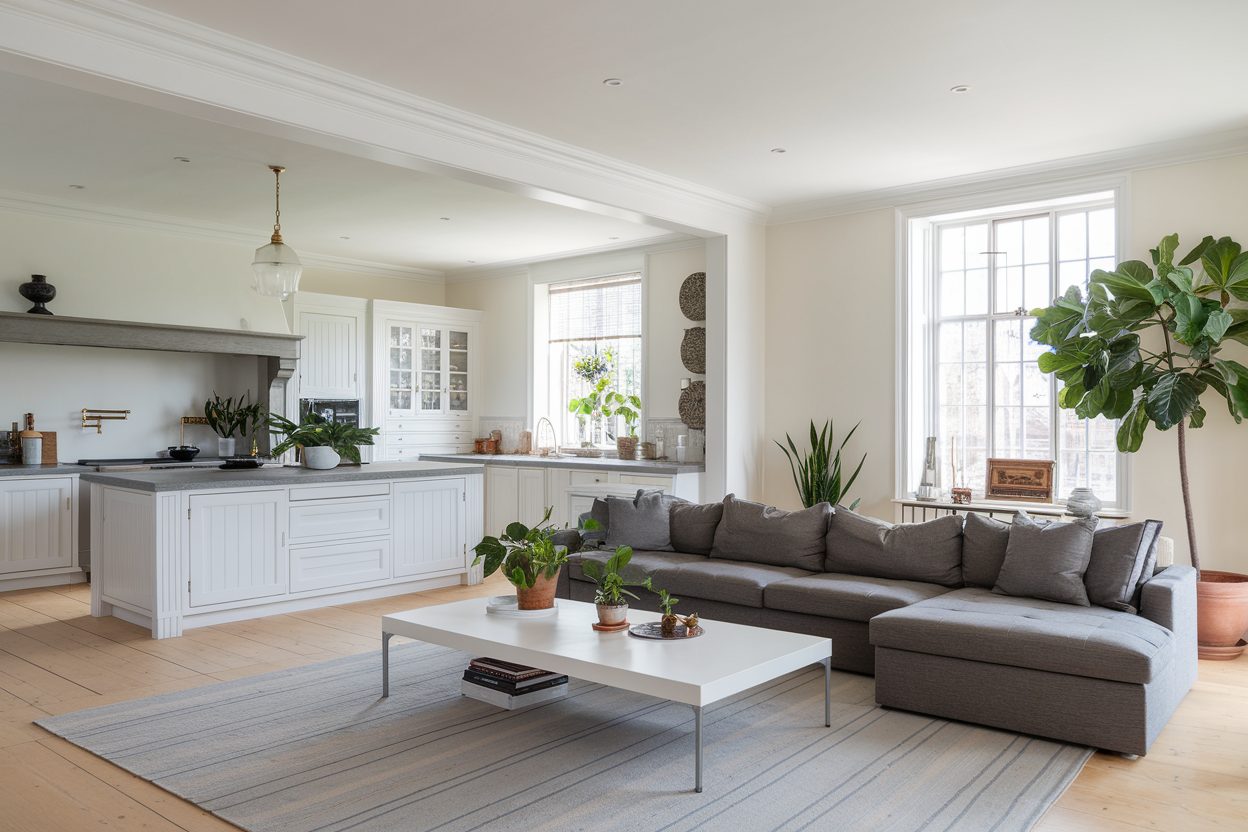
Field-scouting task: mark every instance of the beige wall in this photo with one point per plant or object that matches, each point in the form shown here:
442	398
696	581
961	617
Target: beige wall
373	287
665	327
504	332
831	335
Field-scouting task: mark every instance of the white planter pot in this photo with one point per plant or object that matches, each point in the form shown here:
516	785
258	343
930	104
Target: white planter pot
321	459
225	447
610	615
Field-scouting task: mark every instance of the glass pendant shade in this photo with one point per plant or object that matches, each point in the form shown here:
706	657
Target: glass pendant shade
276	271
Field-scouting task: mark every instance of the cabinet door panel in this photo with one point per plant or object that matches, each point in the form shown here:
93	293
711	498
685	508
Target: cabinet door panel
502	497
429	527
328	356
237	548
532	489
35	524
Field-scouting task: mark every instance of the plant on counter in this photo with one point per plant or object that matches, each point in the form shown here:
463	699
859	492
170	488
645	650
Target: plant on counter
231	416
597	370
323	442
529	557
817	473
666	602
1105	370
628	408
611	582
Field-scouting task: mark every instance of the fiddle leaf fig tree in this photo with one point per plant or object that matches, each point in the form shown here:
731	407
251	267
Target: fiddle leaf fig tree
1186	312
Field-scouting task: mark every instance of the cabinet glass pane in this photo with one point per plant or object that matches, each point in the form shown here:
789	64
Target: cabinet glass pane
431	339
400	336
400	359
458	340
400	400
430	360
459	402
457	361
431	382
431	401
459	382
400	380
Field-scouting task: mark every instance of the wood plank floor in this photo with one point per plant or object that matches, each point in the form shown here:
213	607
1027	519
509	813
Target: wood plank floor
55	658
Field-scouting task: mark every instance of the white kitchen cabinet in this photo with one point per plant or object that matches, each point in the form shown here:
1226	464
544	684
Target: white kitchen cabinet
36	524
336	565
237	546
502	497
531	483
430	531
332	353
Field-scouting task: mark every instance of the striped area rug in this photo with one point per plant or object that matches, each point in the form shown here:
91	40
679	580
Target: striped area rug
316	749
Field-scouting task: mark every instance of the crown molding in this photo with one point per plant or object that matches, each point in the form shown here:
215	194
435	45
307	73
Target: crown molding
519	266
60	209
1160	154
154	34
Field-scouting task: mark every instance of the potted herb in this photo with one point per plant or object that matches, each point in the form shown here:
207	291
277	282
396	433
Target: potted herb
322	443
628	408
609	576
529	558
669	620
596	370
1105	370
817	472
229	416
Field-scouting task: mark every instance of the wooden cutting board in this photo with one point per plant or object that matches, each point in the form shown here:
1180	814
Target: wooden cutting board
49	447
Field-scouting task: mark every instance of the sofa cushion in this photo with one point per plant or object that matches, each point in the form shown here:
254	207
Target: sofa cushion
601	515
729	581
644	564
1119	556
1047	560
851	597
764	534
928	552
643	522
984	540
694	525
975	624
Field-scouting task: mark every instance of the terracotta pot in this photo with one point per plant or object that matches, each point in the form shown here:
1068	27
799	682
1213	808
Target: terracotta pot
610	615
541	596
626	447
1221	614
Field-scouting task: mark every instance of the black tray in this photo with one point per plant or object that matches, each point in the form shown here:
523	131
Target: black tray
654	630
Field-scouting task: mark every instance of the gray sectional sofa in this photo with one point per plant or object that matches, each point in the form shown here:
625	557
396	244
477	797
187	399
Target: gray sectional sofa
900	602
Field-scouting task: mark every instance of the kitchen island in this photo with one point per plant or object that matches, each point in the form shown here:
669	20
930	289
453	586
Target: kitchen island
180	548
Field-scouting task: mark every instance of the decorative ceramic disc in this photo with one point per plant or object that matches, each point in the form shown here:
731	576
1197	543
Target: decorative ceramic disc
693	296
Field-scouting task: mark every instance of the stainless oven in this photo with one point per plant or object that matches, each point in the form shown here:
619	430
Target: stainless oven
346	411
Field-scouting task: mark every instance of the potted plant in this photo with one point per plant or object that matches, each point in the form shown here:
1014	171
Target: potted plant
1096	352
322	443
596	370
529	558
817	473
628	408
229	416
669	620
609	596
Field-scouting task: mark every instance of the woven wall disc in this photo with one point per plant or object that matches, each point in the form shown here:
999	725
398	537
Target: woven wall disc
693	350
692	405
693	296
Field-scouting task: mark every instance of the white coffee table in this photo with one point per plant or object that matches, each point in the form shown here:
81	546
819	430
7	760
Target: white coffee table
726	660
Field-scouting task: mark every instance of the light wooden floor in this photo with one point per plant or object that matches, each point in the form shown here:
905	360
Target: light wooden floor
55	658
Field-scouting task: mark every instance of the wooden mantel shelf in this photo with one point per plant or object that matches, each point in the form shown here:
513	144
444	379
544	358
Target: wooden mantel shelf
128	335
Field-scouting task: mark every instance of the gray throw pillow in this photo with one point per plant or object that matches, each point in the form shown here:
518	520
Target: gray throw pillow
1047	561
764	534
1119	557
930	552
983	549
643	522
601	515
694	525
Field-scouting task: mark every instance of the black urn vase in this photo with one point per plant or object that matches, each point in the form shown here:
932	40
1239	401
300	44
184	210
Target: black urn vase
39	292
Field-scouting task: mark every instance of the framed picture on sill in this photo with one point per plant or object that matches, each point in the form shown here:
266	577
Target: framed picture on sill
1020	479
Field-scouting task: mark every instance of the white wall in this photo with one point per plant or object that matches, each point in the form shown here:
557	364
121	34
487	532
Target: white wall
503	297
120	273
666	325
830	350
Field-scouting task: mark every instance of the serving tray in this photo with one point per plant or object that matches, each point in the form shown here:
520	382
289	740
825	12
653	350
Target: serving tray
654	630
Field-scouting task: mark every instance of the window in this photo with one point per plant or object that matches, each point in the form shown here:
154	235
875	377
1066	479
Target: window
599	316
979	275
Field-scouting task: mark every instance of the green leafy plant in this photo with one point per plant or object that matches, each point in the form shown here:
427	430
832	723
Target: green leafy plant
523	553
314	431
666	601
598	371
609	577
1106	370
627	407
229	416
817	473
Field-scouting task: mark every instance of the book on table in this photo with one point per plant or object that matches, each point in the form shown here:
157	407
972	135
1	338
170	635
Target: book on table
526	686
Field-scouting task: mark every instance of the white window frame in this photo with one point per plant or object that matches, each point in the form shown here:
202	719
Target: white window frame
916	309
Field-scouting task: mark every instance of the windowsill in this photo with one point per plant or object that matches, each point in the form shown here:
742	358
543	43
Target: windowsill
1041	509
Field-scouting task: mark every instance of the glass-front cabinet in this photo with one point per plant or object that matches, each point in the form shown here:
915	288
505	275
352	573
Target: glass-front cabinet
402	378
428	370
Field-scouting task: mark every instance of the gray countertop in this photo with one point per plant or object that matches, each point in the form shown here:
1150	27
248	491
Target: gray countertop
197	479
42	470
631	466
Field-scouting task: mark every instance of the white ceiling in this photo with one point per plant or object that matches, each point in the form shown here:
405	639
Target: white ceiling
856	90
123	155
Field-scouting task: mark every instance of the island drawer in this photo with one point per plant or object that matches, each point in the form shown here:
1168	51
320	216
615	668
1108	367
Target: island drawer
324	519
339	491
339	564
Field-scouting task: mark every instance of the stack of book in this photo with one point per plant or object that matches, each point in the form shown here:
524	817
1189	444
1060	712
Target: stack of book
509	685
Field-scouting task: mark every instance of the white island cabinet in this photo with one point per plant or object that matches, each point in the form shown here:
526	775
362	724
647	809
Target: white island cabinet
38	527
173	549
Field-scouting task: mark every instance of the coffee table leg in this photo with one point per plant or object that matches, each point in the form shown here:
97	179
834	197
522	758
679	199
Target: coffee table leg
385	664
827	693
697	748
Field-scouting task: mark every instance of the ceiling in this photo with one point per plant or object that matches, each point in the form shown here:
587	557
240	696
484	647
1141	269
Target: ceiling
856	91
123	154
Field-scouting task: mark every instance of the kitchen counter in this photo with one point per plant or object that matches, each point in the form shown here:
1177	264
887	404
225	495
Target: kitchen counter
58	470
197	479
631	466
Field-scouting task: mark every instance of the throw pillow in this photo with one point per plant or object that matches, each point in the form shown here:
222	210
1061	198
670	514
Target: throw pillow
694	525
930	552
643	522
1047	561
983	549
1119	556
764	534
601	515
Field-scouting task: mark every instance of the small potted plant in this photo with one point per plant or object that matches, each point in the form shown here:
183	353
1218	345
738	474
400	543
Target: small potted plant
229	416
629	409
597	371
669	620
529	558
609	576
323	443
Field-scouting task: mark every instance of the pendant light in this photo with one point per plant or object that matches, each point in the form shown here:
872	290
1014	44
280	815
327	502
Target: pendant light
276	267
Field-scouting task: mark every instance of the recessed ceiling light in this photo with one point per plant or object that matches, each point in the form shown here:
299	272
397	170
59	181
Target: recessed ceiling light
472	261
613	238
778	150
960	89
445	219
613	82
182	159
344	237
79	187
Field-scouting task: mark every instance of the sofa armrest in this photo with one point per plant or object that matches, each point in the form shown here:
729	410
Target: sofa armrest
1169	599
